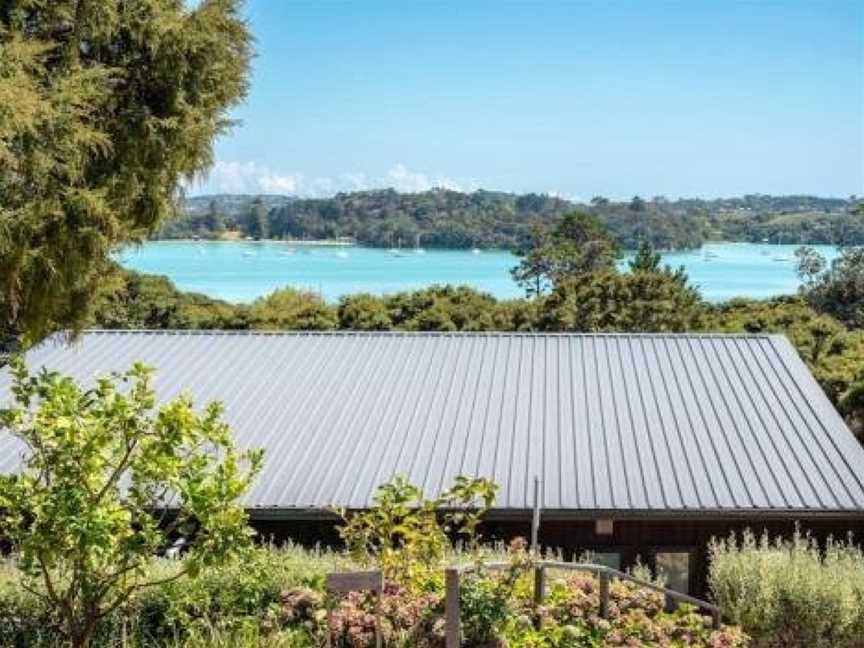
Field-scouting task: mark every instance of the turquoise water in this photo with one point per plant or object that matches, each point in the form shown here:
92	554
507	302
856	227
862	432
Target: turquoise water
242	271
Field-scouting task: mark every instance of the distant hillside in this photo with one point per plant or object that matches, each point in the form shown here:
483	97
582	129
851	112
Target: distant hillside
443	218
233	204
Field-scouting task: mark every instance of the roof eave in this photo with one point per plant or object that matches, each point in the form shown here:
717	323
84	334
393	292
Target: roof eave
327	515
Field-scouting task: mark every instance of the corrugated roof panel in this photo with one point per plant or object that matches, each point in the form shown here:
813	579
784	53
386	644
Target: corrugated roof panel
645	423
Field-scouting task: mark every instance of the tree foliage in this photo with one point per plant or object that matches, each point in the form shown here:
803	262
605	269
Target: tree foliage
104	107
836	289
578	245
405	533
288	308
131	300
643	302
452	219
108	482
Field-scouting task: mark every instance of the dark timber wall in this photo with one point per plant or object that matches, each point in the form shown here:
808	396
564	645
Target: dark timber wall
633	539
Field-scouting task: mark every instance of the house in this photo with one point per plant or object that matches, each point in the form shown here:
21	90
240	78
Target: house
644	445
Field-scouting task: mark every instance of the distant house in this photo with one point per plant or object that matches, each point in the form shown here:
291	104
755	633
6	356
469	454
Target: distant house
644	445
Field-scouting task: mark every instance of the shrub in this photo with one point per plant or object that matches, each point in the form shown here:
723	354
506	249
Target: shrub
570	617
405	534
290	309
488	600
408	618
274	598
96	465
235	604
791	593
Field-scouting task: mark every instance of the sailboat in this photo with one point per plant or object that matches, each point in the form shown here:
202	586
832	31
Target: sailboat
397	251
417	248
779	256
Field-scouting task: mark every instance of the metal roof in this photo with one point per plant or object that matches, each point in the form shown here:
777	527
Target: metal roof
723	424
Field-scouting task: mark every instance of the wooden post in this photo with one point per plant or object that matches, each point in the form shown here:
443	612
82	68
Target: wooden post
535	519
452	620
345	582
379	631
539	584
604	595
715	618
669	604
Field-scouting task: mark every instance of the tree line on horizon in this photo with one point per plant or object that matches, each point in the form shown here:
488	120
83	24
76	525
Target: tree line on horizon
442	218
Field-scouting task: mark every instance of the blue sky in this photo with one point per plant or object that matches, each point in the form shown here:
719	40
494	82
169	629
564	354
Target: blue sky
607	98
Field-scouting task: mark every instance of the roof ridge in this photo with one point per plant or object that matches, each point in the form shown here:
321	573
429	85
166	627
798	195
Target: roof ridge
401	333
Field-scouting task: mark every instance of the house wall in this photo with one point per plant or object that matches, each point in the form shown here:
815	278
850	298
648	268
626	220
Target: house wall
635	540
640	540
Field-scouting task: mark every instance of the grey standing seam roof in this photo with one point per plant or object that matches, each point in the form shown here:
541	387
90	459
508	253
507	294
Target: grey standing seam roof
665	423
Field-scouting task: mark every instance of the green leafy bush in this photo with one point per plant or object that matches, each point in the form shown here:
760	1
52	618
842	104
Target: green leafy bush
237	604
791	593
405	534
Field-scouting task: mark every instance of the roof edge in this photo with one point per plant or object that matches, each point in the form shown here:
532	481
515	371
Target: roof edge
401	333
707	515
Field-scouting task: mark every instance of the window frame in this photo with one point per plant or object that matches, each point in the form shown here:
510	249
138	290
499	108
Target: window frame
692	559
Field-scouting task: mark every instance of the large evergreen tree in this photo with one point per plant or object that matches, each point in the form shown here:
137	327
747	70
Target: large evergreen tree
105	107
578	245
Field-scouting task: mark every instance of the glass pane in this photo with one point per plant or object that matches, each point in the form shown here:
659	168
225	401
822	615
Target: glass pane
607	559
674	568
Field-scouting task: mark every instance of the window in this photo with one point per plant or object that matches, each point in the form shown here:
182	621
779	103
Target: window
606	558
674	568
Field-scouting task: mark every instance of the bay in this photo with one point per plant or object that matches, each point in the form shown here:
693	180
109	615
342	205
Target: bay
241	271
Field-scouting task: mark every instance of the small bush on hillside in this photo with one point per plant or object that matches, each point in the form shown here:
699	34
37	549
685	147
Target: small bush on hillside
791	593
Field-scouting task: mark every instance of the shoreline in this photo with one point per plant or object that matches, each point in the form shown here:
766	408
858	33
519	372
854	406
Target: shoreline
351	243
291	242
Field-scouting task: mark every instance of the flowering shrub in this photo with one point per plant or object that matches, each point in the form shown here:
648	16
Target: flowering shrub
407	618
570	616
791	593
276	599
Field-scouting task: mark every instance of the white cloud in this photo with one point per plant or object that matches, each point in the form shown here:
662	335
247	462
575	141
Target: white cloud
252	178
402	179
565	196
243	177
278	184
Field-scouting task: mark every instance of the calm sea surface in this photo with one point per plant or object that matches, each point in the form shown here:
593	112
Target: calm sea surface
242	271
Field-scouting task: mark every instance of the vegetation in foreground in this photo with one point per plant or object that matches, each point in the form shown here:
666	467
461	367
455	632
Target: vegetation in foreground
268	596
275	597
791	593
97	464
